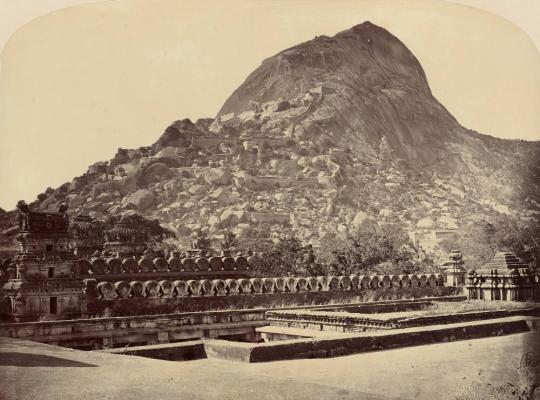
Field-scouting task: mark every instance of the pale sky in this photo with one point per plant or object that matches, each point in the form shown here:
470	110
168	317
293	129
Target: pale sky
79	82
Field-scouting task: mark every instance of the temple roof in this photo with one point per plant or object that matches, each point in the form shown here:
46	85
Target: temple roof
505	260
127	233
455	260
85	226
44	222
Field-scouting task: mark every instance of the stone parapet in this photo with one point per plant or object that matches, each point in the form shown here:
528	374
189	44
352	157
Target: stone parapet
508	285
234	287
99	267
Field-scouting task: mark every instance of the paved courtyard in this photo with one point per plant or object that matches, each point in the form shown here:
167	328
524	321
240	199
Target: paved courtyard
473	369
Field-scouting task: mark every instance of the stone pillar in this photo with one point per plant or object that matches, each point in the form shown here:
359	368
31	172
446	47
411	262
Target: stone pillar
495	282
455	278
486	291
107	342
472	286
511	294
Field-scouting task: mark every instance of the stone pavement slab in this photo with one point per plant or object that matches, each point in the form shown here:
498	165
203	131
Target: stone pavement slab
30	370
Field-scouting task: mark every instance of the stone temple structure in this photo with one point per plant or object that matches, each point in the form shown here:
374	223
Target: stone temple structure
506	277
59	267
125	239
48	280
86	235
42	279
454	271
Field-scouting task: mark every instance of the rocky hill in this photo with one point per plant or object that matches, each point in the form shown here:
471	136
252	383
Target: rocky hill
355	88
333	135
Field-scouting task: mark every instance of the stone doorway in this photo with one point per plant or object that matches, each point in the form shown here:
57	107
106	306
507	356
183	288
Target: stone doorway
53	305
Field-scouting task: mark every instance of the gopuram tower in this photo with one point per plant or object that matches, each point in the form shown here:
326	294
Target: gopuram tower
43	282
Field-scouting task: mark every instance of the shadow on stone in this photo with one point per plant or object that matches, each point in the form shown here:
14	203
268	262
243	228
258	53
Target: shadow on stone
13	359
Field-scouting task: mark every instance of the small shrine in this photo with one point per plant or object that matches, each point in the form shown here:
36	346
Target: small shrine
506	277
125	239
454	271
200	244
86	235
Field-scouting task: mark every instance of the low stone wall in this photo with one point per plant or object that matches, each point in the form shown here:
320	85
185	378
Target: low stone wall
339	346
386	307
185	351
469	316
98	333
330	320
136	330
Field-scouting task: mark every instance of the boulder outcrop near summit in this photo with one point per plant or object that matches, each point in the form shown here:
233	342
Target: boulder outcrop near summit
362	84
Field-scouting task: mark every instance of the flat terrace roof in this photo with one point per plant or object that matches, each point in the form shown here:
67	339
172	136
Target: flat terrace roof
397	316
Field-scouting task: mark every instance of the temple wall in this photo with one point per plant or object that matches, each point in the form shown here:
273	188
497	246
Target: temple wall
41	268
242	294
44	245
107	290
149	306
37	304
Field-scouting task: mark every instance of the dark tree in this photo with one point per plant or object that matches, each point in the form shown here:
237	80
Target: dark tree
284	256
389	251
